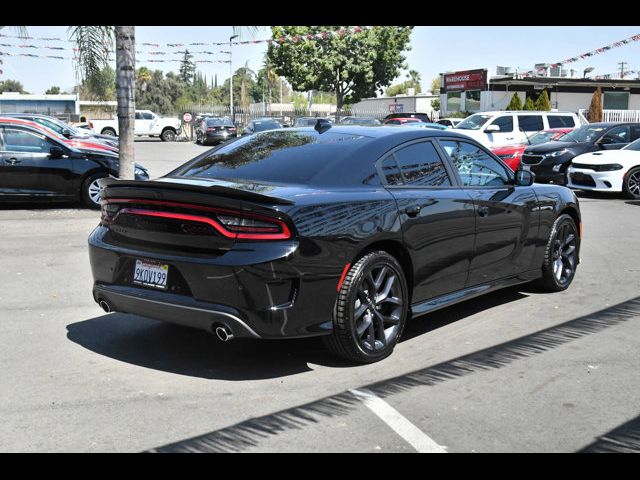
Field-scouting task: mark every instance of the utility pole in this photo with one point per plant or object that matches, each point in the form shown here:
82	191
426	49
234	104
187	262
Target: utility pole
231	79
622	64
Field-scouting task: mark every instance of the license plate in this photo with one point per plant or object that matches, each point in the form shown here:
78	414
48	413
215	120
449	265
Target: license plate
151	274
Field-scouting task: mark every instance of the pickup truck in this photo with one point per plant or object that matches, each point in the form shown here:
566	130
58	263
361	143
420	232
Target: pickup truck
147	124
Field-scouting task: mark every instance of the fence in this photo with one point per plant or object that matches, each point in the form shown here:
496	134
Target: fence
616	115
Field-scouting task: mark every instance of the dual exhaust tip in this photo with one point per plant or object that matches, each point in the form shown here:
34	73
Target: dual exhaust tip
223	332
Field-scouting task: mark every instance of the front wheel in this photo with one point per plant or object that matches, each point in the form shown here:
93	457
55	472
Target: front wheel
561	255
631	184
91	191
169	135
371	310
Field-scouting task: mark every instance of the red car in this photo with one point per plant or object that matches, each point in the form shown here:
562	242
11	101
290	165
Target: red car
83	144
511	154
401	121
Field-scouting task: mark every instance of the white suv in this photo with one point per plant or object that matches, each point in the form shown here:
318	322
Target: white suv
494	129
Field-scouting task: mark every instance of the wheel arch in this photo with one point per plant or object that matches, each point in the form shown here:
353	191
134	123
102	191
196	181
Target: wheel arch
108	129
397	250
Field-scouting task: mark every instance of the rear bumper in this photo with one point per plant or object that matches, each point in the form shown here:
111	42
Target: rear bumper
258	290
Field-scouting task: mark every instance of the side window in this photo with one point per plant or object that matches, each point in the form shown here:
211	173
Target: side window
22	141
147	116
391	171
619	134
561	121
475	166
138	115
530	123
420	165
505	123
635	132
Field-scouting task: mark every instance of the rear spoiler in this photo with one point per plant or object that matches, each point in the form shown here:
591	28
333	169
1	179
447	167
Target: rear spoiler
186	186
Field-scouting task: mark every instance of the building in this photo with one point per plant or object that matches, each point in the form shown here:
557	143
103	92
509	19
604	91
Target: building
472	91
63	105
383	106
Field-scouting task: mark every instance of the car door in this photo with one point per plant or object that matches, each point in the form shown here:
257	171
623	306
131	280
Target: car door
143	123
506	215
26	166
438	218
506	134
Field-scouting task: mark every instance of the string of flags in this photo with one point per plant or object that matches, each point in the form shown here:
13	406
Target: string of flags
149	60
597	51
48	47
280	40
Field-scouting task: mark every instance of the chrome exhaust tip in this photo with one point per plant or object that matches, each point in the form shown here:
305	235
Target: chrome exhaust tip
224	333
104	305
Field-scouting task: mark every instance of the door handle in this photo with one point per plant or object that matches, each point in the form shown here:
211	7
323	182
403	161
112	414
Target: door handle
413	210
12	161
483	211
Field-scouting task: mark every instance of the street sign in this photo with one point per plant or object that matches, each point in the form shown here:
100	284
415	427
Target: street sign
187	117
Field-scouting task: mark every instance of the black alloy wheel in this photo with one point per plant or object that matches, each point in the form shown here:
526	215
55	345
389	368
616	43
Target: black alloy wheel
561	255
371	310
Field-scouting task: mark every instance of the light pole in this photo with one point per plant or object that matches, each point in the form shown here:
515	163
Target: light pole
587	70
231	79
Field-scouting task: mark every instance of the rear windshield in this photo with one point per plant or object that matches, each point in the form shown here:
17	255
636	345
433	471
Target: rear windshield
216	122
262	125
276	156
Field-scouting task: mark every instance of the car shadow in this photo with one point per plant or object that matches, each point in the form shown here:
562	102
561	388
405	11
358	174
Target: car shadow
633	202
589	194
43	206
185	351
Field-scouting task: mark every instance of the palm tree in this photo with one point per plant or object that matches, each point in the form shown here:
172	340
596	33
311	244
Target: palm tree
414	79
270	77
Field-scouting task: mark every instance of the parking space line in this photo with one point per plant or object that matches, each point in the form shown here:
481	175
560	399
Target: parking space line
399	424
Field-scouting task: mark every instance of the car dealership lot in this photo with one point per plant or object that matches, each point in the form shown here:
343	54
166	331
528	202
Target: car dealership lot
516	370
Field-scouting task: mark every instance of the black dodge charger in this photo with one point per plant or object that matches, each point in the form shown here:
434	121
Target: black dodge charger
341	232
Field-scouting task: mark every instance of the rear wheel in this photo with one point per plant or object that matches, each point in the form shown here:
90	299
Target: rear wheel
371	310
561	255
109	131
631	184
91	191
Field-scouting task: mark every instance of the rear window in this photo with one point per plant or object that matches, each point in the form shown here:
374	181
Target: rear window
278	156
262	125
530	123
217	122
561	121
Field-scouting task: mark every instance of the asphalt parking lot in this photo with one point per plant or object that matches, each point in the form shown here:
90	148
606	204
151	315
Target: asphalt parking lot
516	370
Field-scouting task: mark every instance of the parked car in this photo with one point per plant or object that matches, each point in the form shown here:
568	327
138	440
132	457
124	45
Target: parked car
147	123
38	166
64	129
215	130
261	125
332	231
512	154
363	121
449	122
495	129
608	171
550	161
89	144
401	121
424	117
437	126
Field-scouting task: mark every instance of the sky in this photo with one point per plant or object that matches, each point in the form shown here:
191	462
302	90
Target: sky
434	49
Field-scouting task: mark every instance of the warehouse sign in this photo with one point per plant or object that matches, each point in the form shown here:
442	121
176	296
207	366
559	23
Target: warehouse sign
466	80
396	108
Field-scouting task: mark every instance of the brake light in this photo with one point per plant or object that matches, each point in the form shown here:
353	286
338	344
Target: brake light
210	129
232	129
229	223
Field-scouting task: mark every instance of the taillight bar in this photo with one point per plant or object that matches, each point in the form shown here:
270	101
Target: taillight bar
250	233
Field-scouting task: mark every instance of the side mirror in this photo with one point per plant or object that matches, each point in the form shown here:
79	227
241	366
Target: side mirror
56	152
524	178
492	129
66	132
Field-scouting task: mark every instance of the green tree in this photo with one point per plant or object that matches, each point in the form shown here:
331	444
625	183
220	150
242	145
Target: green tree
435	85
11	86
99	85
528	104
53	91
397	89
435	104
352	66
187	68
595	108
515	103
543	103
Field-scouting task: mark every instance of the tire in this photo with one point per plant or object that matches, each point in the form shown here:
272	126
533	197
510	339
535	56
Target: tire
561	255
108	131
168	135
631	184
89	194
198	141
355	309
